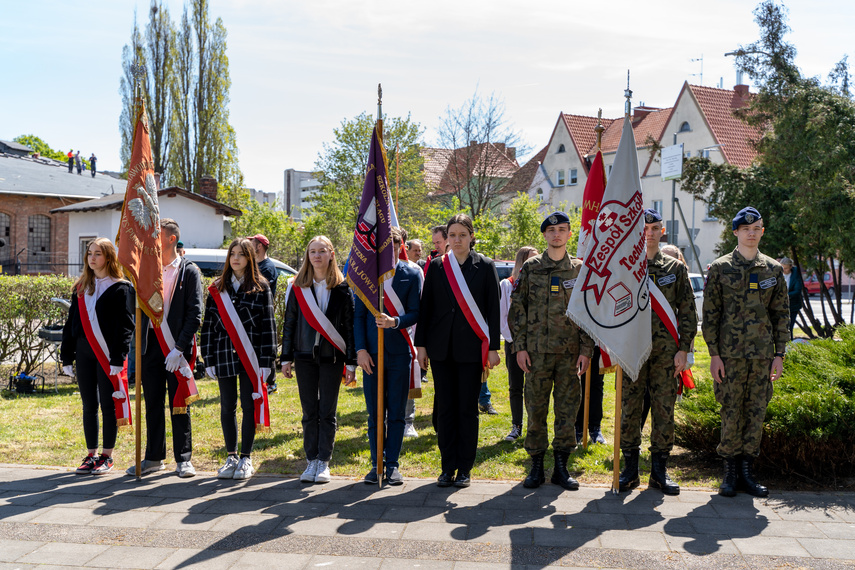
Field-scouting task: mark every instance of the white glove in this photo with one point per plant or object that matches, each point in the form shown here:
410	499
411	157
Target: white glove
256	396
173	360
116	370
185	371
265	372
68	370
118	395
690	359
211	371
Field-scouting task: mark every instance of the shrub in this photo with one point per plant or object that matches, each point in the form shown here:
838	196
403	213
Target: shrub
25	307
808	428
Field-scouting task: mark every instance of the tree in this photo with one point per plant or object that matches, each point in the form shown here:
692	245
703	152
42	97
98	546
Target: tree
287	239
41	147
478	147
524	218
340	169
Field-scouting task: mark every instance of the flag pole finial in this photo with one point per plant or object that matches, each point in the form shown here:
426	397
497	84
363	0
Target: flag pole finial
599	128
628	95
380	110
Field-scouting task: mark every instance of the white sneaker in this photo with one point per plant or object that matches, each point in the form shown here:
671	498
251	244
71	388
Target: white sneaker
410	431
146	466
308	475
185	469
244	468
227	471
323	475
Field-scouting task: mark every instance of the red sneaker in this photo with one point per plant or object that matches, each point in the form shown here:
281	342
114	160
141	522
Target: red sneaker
102	465
87	466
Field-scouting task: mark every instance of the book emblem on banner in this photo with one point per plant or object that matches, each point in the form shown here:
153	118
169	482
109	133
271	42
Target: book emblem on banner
622	297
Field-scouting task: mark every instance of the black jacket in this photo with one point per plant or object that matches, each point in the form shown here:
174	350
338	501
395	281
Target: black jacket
443	329
298	336
115	311
255	311
185	310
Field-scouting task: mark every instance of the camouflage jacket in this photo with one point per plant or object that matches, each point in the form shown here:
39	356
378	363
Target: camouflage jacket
746	309
538	313
672	278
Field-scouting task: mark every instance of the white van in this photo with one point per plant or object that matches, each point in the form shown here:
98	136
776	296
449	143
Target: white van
212	261
698	289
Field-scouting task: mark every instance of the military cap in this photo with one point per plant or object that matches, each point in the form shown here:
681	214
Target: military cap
553	219
747	215
651	216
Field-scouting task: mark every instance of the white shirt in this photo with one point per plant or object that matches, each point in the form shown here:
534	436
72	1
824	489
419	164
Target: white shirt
322	294
236	283
504	306
787	278
170	275
101	285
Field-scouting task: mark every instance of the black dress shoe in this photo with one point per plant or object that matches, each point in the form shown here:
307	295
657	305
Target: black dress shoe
446	479
462	480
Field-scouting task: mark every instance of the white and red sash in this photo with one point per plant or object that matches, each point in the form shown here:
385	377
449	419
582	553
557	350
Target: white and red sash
317	319
187	392
395	308
92	329
467	303
240	340
663	310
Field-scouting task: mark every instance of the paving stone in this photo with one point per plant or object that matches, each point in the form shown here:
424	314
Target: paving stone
298	510
271	561
571	505
744	528
126	502
658	560
676	525
63	552
131	557
235	506
829	547
718	561
171	505
372	529
252	522
310	527
845	531
688	510
452	500
790	562
701	544
633	540
761	545
13	498
127	519
417	564
343	562
188	521
359	511
64	515
15	513
11	550
567	538
518	535
414	514
535	520
694	496
434	531
196	559
601	521
795	529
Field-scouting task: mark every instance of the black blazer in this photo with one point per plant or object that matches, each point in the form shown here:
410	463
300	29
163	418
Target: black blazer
185	310
443	329
255	311
298	336
115	311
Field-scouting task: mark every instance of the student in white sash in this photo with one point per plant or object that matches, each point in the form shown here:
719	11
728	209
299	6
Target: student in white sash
460	344
317	344
249	293
109	301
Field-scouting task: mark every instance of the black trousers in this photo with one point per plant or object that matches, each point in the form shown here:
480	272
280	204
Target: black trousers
157	384
228	412
595	405
318	385
456	389
95	387
516	383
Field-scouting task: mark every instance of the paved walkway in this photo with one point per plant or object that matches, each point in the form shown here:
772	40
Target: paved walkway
56	518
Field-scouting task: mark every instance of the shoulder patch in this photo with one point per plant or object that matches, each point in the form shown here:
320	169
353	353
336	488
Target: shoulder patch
766	283
666	280
570	283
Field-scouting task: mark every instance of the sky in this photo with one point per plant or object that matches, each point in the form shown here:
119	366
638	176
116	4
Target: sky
298	69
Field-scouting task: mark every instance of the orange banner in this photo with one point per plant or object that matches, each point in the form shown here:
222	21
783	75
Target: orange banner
138	239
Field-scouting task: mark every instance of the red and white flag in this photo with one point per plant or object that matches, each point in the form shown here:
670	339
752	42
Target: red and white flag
467	303
612	304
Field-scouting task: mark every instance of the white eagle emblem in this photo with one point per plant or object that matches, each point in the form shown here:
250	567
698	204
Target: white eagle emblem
749	218
144	207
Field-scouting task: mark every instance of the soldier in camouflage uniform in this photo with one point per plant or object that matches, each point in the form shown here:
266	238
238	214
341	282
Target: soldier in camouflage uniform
550	349
661	373
746	318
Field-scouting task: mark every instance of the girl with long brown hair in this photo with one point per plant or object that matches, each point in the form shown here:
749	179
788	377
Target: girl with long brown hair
108	301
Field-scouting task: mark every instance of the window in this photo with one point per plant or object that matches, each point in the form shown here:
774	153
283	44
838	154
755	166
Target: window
38	243
84	247
574	179
561	149
688	154
704	153
685	127
559	178
657	205
707	216
540	194
5	232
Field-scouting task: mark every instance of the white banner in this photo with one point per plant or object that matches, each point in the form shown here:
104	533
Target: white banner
672	162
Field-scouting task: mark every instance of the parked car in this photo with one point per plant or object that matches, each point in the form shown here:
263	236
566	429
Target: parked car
212	261
812	284
504	268
698	288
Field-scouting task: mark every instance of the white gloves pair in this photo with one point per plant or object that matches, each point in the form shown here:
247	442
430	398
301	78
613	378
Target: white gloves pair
68	370
211	371
116	370
118	395
173	360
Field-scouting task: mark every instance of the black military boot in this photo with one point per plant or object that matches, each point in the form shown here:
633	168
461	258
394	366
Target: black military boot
659	475
536	477
728	485
745	478
560	475
628	479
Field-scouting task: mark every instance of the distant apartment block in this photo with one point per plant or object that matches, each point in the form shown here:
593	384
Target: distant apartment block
300	187
263	197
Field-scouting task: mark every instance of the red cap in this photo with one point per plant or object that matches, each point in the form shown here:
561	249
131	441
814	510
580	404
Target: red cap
261	239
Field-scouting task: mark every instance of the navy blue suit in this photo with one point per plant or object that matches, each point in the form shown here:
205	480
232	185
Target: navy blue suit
396	363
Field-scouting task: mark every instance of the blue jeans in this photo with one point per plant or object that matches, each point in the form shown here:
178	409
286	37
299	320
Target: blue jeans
484	396
396	383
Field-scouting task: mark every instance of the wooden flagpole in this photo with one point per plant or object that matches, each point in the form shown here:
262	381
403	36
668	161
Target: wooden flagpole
618	396
381	408
138	389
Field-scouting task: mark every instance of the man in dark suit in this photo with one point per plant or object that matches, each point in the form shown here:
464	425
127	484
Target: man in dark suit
794	290
182	307
397	365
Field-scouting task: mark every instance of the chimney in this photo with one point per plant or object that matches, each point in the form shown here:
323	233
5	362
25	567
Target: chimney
741	90
208	187
641	111
157	176
473	143
512	153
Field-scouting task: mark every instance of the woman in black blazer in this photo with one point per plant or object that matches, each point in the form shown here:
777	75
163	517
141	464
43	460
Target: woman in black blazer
113	300
250	295
317	362
446	337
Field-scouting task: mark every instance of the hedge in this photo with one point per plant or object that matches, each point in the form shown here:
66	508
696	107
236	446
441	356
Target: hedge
809	422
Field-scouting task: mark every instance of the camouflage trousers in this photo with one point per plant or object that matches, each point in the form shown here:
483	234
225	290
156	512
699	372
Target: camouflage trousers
657	376
551	374
743	394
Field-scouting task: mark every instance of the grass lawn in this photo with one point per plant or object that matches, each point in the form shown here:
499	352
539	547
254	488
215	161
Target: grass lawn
46	430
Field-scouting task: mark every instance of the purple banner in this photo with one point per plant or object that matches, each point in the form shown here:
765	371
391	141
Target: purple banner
372	256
